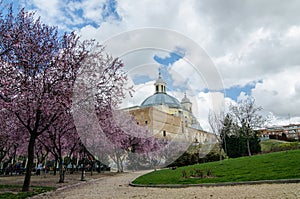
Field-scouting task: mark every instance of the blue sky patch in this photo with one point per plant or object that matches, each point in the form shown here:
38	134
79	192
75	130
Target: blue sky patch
172	58
232	92
109	10
141	79
235	91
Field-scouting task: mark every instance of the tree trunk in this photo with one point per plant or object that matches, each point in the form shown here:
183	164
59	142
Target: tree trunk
247	140
92	167
72	168
61	172
225	146
248	146
54	168
83	167
29	163
83	172
13	160
220	152
119	166
3	154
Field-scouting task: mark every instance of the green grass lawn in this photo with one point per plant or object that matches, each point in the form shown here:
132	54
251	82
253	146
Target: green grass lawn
272	166
277	145
14	191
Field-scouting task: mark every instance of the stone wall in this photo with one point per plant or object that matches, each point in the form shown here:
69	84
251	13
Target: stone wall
168	126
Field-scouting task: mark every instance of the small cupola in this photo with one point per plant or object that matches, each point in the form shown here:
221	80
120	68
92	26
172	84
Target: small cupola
186	103
160	85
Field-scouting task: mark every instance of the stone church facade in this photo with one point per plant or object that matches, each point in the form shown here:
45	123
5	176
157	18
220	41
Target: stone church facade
167	118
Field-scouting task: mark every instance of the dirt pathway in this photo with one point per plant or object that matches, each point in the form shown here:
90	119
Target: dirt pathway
116	187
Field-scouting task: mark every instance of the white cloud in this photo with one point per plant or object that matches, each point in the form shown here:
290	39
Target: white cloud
280	93
185	75
92	9
65	14
141	92
205	102
247	40
140	62
293	32
50	8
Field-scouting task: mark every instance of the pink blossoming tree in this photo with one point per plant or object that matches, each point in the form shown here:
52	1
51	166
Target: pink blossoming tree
37	71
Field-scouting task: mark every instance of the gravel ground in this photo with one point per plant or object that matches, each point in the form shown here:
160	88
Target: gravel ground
115	187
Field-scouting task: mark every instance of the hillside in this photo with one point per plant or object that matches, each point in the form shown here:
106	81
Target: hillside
271	166
278	145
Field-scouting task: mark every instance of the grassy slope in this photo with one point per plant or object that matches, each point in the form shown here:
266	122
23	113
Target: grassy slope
277	145
279	165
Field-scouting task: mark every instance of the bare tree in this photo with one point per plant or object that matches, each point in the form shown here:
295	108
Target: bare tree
248	117
216	122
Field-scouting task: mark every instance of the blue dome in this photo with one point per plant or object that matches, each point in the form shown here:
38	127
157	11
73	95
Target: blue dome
161	99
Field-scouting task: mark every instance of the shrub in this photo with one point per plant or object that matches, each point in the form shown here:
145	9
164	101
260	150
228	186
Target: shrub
197	173
211	157
236	146
186	159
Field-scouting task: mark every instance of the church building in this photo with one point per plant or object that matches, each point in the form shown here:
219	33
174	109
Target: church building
168	118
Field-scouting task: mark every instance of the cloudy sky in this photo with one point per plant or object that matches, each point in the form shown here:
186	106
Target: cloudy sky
254	45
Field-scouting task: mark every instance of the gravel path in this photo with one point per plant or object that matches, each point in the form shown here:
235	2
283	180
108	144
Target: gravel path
117	187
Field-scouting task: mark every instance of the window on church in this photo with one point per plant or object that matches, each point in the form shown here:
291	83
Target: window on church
157	88
164	133
146	122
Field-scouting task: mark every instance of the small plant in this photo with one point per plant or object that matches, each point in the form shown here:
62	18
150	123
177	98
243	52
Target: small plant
208	173
184	174
192	172
199	173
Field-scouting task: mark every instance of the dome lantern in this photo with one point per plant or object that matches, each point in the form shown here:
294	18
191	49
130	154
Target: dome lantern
160	85
186	103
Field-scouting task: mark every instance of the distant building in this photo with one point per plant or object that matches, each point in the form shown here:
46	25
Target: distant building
292	131
168	118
